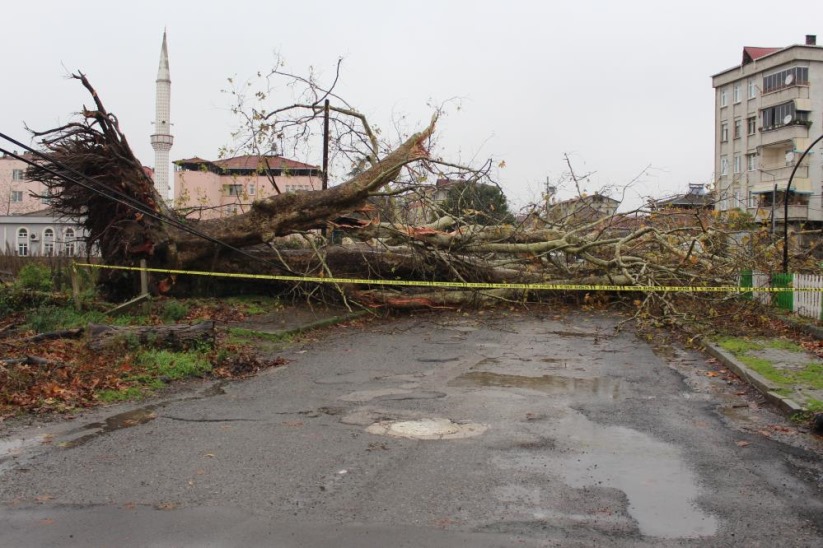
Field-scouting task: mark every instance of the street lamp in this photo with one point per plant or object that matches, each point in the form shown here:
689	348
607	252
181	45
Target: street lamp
786	206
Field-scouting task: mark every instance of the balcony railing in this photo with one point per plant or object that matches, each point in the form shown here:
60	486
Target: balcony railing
796	212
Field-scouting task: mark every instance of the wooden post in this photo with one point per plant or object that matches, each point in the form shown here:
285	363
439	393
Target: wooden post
144	278
75	286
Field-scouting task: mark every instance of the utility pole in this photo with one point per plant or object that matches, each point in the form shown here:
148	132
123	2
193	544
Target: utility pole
325	152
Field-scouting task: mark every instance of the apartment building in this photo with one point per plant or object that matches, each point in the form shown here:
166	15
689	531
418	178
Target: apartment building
208	189
768	110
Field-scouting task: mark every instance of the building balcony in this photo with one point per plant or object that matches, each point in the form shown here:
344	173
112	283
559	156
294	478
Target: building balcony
784	95
784	134
796	212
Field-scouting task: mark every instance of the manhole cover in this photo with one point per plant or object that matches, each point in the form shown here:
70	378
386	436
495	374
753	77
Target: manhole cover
427	429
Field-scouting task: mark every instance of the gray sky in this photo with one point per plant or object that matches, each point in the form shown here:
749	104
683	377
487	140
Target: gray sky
619	86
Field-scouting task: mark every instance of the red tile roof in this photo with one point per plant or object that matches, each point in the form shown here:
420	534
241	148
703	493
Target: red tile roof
255	162
754	53
250	162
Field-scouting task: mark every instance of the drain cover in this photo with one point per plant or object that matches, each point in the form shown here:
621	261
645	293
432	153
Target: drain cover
427	429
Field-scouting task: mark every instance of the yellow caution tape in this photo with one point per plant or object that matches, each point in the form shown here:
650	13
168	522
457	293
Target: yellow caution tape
464	285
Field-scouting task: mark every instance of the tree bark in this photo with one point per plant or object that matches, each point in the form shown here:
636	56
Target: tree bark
173	337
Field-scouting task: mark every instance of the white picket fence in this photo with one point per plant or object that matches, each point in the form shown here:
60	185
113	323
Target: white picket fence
808	304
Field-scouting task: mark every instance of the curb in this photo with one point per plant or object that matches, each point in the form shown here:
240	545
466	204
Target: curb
763	385
325	322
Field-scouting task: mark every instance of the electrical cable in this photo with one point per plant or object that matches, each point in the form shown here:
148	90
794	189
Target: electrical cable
124	199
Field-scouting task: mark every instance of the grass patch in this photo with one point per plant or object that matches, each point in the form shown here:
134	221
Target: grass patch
114	396
784	344
52	318
239	335
254	305
813	405
169	365
738	346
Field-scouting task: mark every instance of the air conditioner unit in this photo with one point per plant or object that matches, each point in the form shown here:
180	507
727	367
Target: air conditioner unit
33	237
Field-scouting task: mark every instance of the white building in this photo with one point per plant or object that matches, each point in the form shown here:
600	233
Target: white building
768	110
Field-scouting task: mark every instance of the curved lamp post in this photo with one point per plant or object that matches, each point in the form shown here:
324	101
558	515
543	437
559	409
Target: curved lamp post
786	206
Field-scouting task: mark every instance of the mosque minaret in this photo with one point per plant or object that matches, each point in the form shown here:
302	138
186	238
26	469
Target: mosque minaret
162	139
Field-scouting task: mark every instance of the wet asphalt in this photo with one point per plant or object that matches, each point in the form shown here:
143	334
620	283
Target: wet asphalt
495	429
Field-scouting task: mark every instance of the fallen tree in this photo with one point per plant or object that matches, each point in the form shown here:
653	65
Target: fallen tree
92	175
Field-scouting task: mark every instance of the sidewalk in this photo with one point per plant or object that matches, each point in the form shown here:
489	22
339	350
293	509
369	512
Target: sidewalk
788	375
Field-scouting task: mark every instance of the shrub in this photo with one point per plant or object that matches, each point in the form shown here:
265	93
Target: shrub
35	277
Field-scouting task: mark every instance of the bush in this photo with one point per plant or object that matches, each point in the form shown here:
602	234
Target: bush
35	277
174	311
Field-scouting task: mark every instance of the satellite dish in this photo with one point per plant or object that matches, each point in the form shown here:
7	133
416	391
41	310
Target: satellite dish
787	119
790	157
789	79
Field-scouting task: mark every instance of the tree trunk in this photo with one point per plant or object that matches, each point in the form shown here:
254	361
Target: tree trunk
173	337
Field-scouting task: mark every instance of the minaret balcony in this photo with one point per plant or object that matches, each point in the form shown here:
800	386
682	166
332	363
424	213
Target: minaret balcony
162	139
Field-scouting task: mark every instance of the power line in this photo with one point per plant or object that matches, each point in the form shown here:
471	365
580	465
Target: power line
124	199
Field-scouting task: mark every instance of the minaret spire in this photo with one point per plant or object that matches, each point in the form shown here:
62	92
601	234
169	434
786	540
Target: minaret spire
162	139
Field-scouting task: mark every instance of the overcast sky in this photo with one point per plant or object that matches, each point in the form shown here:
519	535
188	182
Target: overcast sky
616	85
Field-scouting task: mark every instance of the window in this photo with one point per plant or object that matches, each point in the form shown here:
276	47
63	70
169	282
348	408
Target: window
48	241
16	196
22	242
782	115
724	132
752	199
16	174
751	162
738	128
737	163
795	76
252	189
737	92
738	203
68	238
233	190
751	125
752	89
724	99
724	165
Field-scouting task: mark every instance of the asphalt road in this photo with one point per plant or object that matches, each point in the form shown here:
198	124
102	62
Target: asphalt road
496	429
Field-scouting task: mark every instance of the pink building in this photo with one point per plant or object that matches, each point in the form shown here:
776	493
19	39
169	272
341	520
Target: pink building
15	189
208	189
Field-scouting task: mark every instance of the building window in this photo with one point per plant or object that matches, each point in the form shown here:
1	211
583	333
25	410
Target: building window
16	174
233	190
752	89
737	163
795	76
16	196
738	128
751	162
782	115
724	165
737	93
724	132
22	242
69	245
252	189
751	125
48	241
738	203
724	98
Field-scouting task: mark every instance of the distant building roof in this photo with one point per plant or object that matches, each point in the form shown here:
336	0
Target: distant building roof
695	198
246	163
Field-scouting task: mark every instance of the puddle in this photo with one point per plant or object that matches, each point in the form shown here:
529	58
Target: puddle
550	384
660	487
115	422
427	429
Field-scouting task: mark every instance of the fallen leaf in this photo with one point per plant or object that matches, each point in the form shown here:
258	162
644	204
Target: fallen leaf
742	443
